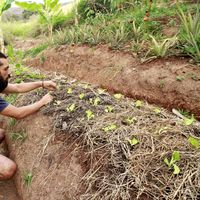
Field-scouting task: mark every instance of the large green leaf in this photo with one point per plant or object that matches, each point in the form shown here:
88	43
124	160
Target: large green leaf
34	7
5	5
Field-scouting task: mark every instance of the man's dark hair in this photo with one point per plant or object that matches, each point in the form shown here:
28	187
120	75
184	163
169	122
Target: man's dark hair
2	56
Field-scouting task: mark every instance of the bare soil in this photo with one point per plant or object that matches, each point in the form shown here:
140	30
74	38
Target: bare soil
56	170
171	82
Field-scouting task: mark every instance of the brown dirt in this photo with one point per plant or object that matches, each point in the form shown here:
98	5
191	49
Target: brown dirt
8	190
117	71
57	163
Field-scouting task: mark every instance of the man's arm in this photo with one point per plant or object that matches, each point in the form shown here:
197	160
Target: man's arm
26	87
24	111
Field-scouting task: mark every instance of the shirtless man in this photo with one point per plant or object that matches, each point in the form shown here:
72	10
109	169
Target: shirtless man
7	166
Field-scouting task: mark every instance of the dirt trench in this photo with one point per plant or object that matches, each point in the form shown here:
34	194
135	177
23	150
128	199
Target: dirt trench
170	82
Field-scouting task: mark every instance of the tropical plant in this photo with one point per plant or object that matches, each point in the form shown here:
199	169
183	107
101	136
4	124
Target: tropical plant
160	49
4	5
190	35
49	10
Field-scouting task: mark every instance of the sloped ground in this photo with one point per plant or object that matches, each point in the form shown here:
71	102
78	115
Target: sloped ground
90	145
171	82
8	191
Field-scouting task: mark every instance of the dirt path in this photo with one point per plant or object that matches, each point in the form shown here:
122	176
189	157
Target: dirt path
8	190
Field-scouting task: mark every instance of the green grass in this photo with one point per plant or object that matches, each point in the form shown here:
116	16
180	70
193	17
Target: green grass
19	28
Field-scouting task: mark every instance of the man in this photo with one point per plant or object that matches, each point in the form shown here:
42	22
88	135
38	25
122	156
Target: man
7	166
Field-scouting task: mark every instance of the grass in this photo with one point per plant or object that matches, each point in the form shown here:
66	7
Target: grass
19	28
19	136
27	177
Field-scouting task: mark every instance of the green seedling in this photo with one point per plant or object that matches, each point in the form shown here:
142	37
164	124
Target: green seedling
57	102
97	101
162	84
109	109
89	114
179	78
129	120
81	96
69	91
27	177
138	104
189	121
194	142
12	122
133	141
20	136
157	111
175	157
71	108
110	127
118	96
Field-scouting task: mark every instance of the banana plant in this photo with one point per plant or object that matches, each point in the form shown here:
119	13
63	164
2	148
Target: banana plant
4	5
48	10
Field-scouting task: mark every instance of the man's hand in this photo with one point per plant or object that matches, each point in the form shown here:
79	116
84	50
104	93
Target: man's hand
46	99
49	85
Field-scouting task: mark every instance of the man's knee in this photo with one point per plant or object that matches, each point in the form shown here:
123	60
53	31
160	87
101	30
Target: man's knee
11	169
2	135
8	168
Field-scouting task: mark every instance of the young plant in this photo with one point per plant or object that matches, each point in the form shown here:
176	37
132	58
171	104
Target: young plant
194	142
27	177
190	35
189	121
19	136
97	101
133	141
71	108
138	104
160	49
109	109
69	91
89	114
81	96
12	122
180	78
118	96
129	120
172	164
109	128
157	111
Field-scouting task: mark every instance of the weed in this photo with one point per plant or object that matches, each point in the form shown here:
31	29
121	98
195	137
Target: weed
19	136
28	177
180	78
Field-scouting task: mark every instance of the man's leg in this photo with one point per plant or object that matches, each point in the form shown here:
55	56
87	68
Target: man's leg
2	135
7	168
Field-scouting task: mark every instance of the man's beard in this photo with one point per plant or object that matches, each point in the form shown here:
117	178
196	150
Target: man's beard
3	83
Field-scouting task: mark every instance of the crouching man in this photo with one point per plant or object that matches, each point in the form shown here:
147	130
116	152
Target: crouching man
7	166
